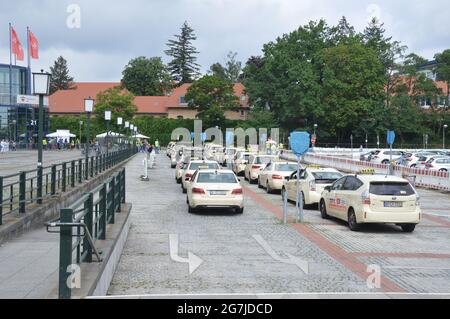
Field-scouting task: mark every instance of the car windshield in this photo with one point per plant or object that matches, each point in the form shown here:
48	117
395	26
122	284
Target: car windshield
217	178
391	189
196	166
326	176
286	167
263	160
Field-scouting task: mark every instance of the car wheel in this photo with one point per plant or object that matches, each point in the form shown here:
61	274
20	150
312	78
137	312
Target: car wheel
413	166
240	210
184	190
385	162
408	228
259	183
178	181
191	210
268	189
352	222
323	210
172	166
443	170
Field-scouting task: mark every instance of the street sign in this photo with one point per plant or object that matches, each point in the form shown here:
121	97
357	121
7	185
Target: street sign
30	100
299	142
390	137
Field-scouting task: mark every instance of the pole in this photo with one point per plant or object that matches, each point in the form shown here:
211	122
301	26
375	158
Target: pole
299	194
10	65
107	138
351	143
443	138
41	128
87	144
29	62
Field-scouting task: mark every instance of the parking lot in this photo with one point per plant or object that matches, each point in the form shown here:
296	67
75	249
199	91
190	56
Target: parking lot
256	253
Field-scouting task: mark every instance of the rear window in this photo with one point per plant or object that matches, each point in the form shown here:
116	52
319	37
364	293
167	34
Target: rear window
213	178
196	166
286	167
391	189
263	160
328	177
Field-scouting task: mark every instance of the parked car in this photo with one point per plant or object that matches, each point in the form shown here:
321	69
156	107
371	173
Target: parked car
384	156
441	164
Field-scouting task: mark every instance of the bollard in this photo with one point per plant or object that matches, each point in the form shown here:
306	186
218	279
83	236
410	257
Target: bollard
145	176
285	206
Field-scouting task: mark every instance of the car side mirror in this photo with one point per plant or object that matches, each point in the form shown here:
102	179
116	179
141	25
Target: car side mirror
328	188
288	178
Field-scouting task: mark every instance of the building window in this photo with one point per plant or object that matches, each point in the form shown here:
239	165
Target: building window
180	117
182	100
242	113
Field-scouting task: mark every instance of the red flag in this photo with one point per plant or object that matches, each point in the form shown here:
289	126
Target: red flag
16	46
34	46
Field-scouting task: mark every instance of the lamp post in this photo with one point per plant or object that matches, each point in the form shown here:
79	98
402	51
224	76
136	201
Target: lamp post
443	136
41	87
107	119
88	108
351	143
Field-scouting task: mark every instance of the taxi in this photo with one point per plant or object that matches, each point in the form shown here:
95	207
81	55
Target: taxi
273	175
370	198
255	164
190	169
214	189
313	180
181	166
240	161
169	148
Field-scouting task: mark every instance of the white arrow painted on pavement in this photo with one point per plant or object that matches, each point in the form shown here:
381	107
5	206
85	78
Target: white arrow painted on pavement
293	260
193	260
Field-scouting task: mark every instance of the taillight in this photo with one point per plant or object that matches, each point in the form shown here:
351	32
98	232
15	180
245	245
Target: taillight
197	190
429	165
365	197
237	191
188	175
256	166
277	177
312	186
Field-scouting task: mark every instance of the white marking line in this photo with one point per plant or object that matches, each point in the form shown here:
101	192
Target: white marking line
193	260
293	260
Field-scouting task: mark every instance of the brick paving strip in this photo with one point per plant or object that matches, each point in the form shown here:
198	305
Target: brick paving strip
348	260
436	220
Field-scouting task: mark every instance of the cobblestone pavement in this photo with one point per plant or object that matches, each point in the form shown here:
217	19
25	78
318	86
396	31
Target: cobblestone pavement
13	162
234	262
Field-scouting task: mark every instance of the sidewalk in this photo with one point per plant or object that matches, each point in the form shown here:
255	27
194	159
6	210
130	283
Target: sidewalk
29	265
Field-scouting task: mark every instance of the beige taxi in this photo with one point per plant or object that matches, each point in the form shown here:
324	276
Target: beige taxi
313	180
369	198
272	177
190	169
181	166
214	189
241	159
255	164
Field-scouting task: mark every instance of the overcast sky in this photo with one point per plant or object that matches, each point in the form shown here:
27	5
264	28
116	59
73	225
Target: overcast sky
113	32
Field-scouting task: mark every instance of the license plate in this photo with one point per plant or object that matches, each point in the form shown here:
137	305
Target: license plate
217	192
393	204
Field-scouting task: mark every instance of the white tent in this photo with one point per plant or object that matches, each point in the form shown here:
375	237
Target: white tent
61	134
141	136
103	135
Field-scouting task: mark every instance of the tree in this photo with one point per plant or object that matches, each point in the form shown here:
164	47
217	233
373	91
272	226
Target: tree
146	76
211	96
410	66
443	70
116	100
183	66
343	32
60	78
232	70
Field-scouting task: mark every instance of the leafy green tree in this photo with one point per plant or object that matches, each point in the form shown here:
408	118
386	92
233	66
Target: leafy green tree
218	71
183	66
410	66
116	100
231	71
146	76
443	70
60	78
211	96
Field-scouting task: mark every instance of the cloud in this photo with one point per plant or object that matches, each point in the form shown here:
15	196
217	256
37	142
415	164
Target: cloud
111	33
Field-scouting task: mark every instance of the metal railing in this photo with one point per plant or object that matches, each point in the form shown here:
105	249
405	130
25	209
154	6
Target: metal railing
19	190
82	224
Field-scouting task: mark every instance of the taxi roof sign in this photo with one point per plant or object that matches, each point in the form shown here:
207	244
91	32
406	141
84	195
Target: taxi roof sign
366	171
313	166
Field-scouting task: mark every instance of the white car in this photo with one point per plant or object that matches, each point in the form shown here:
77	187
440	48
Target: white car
384	156
192	167
313	180
213	189
255	164
169	148
179	171
368	198
240	161
229	155
273	175
441	164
